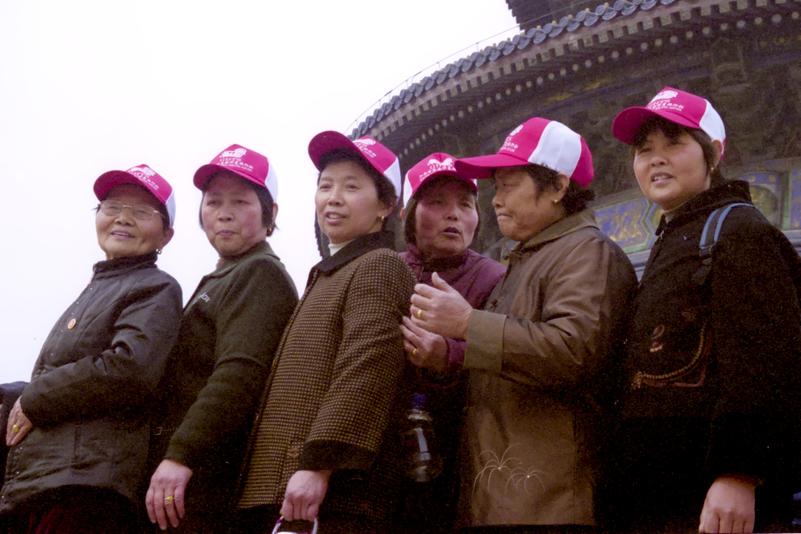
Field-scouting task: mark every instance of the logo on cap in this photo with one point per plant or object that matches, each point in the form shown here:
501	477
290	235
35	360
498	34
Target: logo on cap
236	153
145	174
233	158
364	145
509	144
665	95
664	100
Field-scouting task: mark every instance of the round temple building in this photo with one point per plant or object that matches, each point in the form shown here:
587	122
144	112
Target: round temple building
580	63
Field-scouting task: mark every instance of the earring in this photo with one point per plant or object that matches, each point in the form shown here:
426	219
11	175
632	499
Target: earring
555	201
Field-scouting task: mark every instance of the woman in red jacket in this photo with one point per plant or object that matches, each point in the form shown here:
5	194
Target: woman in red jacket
441	220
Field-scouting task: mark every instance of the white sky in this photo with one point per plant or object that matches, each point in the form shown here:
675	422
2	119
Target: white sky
93	85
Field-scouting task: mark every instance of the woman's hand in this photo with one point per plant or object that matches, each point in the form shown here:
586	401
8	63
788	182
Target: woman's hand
305	492
165	496
18	425
440	309
729	506
426	350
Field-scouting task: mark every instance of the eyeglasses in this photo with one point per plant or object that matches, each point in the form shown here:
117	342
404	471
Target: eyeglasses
141	212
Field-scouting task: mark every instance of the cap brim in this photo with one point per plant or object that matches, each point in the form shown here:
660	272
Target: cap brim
462	177
111	179
325	142
628	122
204	174
481	167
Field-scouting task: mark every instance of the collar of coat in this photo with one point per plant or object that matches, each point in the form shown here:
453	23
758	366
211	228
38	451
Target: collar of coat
354	249
224	265
706	201
562	227
112	267
416	261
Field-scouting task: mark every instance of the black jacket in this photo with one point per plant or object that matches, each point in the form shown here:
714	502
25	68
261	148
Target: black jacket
9	393
229	332
94	383
714	370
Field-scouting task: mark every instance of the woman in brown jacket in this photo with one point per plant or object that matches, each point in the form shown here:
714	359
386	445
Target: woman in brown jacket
322	446
536	355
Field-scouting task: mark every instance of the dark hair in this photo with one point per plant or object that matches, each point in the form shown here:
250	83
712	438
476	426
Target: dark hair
409	231
264	196
384	188
671	130
576	197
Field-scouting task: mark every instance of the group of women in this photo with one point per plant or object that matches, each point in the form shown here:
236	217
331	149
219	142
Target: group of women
566	397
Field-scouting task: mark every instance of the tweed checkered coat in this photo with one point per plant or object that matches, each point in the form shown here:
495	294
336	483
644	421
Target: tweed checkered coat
333	390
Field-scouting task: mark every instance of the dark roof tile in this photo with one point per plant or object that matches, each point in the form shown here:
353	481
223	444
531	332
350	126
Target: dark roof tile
521	41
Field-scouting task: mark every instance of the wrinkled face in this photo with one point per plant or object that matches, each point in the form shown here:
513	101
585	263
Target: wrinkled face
347	203
445	219
522	209
670	171
230	214
137	229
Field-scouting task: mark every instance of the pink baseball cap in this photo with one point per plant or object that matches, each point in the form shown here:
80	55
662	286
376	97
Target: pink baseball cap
431	166
537	141
243	162
143	176
377	155
673	105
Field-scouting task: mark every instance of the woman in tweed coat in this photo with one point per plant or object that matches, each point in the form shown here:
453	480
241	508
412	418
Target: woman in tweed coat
322	442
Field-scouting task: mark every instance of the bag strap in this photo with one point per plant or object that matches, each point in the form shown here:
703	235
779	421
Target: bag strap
710	236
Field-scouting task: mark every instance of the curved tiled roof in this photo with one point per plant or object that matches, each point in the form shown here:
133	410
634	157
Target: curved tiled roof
533	37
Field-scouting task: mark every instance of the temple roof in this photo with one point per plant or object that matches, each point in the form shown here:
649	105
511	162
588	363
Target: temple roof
533	37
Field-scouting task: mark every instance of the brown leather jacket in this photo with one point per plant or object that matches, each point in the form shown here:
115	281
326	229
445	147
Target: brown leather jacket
536	355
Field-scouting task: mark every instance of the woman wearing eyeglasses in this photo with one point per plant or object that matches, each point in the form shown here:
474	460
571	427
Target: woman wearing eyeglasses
229	333
79	433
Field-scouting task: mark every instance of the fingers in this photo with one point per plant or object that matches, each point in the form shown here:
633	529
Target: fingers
440	284
724	522
171	511
159	513
150	505
287	510
166	496
425	291
180	506
18	425
297	508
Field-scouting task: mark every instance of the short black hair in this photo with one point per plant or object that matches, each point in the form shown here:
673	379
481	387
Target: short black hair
264	196
671	130
576	198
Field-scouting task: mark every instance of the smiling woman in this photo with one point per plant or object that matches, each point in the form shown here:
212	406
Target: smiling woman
92	389
321	443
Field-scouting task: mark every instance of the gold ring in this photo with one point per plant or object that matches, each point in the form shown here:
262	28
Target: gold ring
419	313
168	499
414	351
15	428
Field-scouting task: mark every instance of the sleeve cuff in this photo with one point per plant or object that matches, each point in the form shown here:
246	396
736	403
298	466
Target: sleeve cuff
455	354
485	341
320	455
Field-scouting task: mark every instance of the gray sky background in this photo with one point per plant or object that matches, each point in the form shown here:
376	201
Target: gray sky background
88	86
